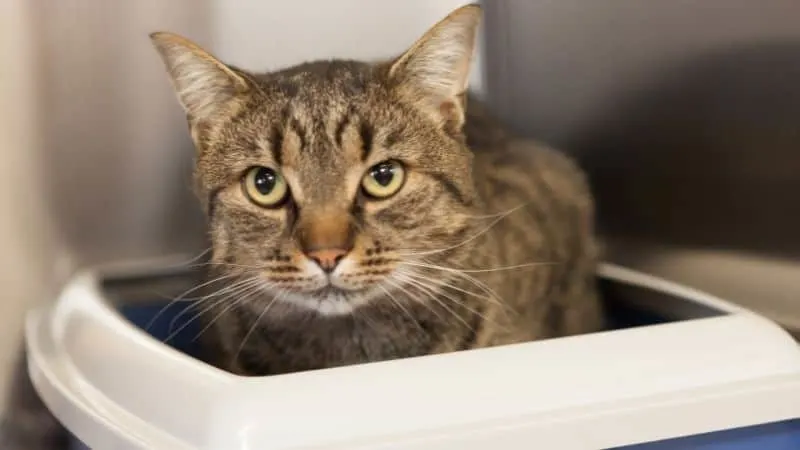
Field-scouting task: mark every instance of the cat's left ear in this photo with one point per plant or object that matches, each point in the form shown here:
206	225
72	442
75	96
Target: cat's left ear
433	73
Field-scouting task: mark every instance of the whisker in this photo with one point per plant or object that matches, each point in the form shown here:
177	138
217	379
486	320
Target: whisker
182	296
398	285
490	296
498	214
494	269
433	295
197	316
422	282
233	289
235	356
227	264
191	260
244	295
361	314
403	308
471	238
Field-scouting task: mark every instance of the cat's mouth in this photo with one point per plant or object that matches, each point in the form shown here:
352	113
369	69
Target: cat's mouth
330	300
333	295
333	291
343	293
333	301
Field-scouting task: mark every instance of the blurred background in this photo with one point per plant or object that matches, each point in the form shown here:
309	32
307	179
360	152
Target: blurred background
684	112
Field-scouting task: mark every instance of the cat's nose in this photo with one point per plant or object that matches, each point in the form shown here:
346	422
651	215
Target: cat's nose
327	258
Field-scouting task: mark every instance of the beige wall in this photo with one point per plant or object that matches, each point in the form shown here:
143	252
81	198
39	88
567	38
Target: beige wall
26	240
261	37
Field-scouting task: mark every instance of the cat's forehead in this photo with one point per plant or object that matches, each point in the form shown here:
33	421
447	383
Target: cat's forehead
317	85
319	120
322	109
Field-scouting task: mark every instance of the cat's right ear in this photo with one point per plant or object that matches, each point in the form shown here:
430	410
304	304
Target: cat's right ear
433	73
205	86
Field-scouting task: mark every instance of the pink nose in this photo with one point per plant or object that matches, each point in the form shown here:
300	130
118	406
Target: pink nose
327	258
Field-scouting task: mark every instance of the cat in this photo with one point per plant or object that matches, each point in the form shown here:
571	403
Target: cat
366	211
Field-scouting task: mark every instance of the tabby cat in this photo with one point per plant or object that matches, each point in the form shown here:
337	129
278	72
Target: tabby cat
364	211
361	212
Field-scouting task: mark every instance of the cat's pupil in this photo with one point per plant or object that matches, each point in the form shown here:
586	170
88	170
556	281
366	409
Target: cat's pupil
383	174
265	181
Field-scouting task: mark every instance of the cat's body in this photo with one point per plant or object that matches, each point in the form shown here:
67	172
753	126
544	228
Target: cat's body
367	211
536	208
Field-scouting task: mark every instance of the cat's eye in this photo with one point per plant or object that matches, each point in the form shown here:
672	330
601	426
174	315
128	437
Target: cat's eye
383	179
265	187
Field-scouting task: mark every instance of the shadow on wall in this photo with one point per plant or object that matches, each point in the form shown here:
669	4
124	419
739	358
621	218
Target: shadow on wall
117	162
707	155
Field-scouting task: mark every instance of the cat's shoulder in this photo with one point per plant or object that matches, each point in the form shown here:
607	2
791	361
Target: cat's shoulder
496	148
542	156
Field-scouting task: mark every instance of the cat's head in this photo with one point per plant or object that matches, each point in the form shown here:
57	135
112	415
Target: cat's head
330	182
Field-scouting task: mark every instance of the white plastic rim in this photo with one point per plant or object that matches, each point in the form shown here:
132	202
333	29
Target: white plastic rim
114	386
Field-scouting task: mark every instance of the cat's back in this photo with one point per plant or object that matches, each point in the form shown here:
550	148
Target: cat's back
545	214
510	171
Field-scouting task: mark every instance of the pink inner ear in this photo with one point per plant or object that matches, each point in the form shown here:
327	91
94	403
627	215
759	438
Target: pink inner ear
447	109
451	116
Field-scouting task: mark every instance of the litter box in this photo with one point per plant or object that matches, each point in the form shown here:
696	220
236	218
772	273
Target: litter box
676	369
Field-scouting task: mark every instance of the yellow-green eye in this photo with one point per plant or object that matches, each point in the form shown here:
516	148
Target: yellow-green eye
265	187
383	179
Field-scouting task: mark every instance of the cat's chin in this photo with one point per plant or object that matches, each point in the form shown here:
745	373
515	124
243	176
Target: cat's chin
329	301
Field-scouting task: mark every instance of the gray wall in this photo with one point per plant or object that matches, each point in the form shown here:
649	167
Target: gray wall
686	113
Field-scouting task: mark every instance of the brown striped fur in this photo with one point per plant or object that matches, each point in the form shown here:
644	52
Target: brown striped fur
488	242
